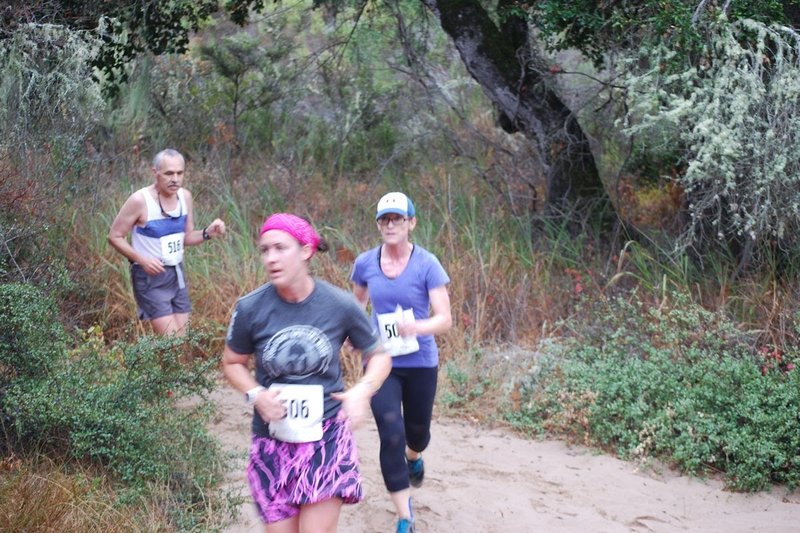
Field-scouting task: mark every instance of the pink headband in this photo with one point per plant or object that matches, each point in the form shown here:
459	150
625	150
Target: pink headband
295	226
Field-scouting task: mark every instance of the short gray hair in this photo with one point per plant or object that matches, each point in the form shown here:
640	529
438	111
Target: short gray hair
167	152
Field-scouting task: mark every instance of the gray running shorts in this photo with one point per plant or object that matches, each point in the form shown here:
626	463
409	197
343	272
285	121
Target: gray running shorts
159	295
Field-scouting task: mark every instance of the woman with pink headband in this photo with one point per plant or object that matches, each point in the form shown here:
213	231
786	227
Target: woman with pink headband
303	458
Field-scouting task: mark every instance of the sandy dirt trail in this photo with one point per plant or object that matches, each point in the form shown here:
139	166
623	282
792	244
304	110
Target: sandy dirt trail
490	480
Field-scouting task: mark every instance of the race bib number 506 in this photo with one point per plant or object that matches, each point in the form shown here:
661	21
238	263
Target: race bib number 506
305	408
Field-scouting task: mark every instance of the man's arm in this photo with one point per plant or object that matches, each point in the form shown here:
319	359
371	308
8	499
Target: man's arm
194	237
129	216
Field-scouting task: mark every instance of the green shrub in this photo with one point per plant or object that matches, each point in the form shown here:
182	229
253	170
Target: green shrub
118	408
677	383
31	339
737	120
136	409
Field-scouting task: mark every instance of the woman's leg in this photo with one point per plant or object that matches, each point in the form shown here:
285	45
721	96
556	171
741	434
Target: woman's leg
419	391
320	517
389	419
290	525
391	430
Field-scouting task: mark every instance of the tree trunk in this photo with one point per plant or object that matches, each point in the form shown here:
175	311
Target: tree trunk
503	63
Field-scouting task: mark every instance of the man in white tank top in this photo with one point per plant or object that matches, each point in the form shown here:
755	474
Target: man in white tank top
160	219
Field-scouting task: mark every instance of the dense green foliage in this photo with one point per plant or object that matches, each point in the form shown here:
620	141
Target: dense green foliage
278	91
43	88
112	406
48	113
30	327
126	29
735	123
677	383
600	28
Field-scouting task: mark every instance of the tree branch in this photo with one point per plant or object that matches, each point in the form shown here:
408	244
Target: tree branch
700	7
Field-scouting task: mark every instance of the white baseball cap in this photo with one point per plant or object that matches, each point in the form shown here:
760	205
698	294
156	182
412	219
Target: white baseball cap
397	203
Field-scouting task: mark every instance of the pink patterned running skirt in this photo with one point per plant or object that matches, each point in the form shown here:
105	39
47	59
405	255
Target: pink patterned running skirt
284	476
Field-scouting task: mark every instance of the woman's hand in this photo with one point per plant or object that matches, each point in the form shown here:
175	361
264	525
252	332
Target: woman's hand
355	402
268	406
407	329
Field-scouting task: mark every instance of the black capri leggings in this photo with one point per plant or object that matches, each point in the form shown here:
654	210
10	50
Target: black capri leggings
403	408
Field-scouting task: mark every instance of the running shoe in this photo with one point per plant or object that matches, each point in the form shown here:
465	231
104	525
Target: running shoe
404	525
416	472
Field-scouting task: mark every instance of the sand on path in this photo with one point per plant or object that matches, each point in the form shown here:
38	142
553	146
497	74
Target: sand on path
492	480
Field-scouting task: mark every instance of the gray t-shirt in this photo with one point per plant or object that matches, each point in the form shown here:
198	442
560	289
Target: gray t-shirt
299	343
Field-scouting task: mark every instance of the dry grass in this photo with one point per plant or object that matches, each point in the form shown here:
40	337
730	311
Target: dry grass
505	291
495	296
37	495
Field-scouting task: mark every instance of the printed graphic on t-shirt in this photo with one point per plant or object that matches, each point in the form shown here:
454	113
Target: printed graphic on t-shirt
296	352
229	336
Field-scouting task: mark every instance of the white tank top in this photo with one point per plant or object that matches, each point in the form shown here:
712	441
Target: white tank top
161	236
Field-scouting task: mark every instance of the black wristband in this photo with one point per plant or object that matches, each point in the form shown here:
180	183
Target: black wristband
206	236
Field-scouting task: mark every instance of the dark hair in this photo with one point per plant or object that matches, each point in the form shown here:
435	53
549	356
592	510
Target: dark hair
323	246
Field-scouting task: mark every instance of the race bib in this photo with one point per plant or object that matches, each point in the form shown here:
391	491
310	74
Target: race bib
392	341
305	408
172	249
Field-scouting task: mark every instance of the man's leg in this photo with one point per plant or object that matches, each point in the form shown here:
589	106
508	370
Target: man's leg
174	324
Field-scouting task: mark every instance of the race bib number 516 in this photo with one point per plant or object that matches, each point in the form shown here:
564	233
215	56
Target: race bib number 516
172	249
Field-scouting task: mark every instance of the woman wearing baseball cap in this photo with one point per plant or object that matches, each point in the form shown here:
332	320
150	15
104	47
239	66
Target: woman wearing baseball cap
410	304
303	459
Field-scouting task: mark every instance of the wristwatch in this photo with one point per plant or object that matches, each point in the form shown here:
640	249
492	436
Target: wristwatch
250	396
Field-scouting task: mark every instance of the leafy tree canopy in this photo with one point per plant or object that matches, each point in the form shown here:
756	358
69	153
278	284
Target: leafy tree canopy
736	121
595	28
127	29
